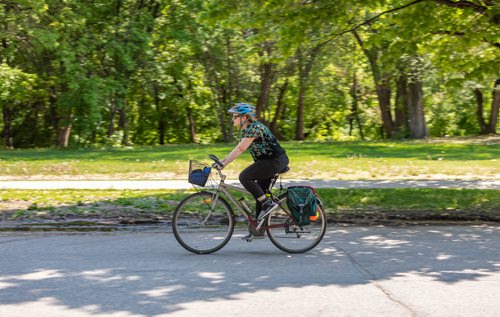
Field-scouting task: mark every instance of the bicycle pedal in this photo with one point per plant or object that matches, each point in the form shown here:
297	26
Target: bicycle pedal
247	237
250	238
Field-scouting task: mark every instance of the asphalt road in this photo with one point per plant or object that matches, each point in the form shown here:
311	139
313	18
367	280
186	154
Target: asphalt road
355	271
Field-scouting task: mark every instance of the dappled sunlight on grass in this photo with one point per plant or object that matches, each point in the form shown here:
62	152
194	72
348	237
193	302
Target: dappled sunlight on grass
317	160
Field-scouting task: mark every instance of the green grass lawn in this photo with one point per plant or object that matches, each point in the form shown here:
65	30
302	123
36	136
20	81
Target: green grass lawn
475	158
340	203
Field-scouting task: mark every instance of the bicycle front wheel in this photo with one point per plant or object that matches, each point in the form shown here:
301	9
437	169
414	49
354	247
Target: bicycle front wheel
288	236
202	225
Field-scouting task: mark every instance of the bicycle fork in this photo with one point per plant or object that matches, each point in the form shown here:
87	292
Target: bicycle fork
211	206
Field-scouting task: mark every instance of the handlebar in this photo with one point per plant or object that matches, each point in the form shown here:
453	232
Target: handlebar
217	163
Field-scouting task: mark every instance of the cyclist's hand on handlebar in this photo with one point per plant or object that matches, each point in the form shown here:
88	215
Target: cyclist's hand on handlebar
218	164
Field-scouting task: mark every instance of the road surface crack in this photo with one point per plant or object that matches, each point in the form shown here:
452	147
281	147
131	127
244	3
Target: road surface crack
373	280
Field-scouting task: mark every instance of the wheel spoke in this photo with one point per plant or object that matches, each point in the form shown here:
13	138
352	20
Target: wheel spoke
202	225
289	237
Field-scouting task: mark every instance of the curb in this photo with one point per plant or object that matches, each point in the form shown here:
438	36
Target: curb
164	226
81	226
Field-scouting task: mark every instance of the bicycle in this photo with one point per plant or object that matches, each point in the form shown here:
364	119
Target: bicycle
204	222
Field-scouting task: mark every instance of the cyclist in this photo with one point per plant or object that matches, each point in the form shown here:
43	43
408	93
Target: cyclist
268	155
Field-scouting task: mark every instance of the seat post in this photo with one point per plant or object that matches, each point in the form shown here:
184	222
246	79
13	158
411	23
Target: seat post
275	178
273	181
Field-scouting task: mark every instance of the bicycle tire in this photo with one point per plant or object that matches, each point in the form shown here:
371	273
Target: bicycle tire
285	234
200	229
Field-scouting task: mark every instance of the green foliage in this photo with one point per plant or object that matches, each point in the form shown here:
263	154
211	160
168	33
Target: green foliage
106	72
16	86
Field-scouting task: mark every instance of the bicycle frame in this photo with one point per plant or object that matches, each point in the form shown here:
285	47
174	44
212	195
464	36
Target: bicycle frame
224	188
204	222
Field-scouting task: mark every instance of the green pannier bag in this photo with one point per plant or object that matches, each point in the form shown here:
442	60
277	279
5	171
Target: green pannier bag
302	202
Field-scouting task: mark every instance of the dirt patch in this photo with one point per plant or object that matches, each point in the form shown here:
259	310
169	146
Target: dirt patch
100	212
110	218
415	216
108	215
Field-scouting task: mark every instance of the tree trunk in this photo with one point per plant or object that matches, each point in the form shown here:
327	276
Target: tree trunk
384	99
489	127
495	108
141	121
354	108
401	123
123	125
112	112
299	130
63	136
192	125
64	131
265	81
161	121
53	117
8	116
31	124
229	71
418	128
383	86
304	72
280	107
483	127
225	123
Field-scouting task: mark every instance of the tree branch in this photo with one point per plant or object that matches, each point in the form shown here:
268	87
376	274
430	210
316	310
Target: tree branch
462	4
497	45
366	22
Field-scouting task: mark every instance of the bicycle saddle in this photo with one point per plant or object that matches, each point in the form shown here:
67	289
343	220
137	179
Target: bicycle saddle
283	171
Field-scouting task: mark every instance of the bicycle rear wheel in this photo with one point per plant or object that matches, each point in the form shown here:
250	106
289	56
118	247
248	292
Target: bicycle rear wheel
287	235
202	225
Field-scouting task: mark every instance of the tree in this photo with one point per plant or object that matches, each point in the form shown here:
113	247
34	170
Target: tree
13	87
114	72
489	126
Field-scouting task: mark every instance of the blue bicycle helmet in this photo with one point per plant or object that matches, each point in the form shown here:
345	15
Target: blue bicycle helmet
243	109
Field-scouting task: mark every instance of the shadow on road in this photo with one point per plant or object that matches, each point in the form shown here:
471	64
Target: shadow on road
148	274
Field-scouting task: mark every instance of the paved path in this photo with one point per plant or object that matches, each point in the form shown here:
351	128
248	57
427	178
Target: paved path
355	271
177	184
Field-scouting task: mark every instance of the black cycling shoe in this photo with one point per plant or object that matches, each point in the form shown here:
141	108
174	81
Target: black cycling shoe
267	207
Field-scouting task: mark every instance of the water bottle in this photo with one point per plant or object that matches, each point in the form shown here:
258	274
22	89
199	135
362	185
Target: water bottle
246	205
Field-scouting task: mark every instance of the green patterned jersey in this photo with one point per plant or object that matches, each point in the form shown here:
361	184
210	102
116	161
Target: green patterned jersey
265	145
